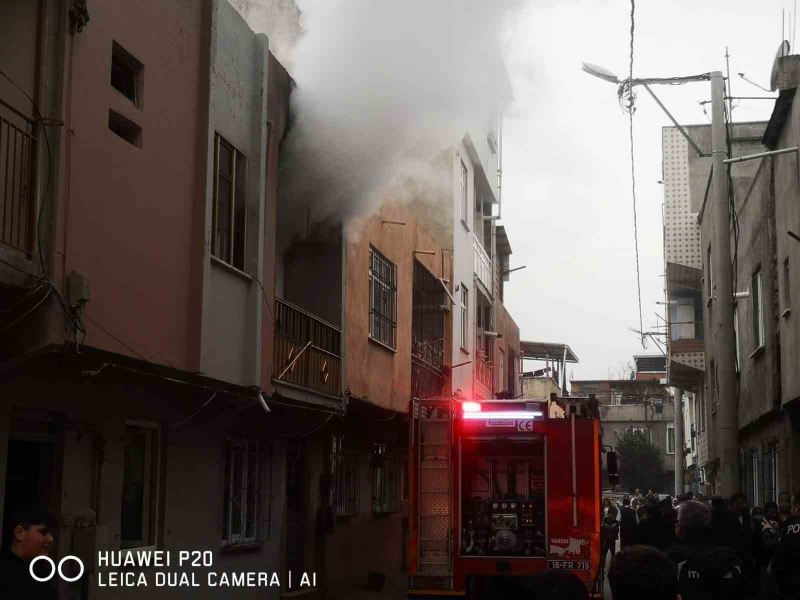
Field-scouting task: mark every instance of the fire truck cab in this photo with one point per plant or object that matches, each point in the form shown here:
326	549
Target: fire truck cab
500	490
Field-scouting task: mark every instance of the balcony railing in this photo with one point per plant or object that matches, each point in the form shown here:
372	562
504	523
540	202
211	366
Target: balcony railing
307	351
483	372
483	264
17	169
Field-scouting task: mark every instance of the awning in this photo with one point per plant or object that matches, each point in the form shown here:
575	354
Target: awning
547	350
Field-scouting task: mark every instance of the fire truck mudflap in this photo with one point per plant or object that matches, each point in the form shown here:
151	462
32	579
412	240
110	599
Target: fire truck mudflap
499	492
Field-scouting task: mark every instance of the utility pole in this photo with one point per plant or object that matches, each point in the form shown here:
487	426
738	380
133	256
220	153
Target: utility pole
679	463
720	309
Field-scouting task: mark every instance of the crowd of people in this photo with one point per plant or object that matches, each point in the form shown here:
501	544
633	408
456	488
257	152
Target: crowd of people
702	548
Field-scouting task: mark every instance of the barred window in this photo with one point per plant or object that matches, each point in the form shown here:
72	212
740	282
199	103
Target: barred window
385	480
344	468
229	228
382	299
243	494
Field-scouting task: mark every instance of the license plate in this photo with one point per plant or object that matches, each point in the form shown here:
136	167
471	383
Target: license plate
571	565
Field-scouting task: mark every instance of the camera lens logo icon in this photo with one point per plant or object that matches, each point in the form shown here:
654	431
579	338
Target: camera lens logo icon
60	568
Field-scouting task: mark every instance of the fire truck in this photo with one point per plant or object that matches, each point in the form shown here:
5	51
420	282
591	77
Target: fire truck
500	490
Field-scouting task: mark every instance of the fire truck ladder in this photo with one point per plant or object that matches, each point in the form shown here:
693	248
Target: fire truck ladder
434	464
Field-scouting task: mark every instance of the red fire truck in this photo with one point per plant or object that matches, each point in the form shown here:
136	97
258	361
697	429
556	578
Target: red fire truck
500	490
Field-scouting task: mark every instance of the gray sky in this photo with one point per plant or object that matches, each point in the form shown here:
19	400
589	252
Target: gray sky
567	202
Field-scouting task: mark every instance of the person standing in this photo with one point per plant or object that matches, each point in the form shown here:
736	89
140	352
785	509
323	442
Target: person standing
32	537
705	571
786	560
642	573
627	525
610	531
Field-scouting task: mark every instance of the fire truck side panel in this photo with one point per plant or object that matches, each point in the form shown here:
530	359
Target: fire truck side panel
574	526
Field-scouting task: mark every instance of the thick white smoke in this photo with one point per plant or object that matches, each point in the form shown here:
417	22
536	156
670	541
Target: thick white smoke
383	87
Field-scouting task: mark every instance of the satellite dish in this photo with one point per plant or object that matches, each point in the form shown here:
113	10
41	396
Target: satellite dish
600	72
783	50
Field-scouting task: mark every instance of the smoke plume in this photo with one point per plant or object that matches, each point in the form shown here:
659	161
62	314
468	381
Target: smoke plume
383	88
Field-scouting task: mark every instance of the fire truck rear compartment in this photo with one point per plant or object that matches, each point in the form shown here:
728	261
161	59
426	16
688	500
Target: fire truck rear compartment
502	496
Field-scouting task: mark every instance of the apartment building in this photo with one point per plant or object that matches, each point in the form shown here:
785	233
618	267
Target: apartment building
137	281
642	404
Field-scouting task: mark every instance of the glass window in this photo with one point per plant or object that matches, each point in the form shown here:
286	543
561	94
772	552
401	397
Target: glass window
756	297
465	195
670	439
464	317
140	486
243	492
229	228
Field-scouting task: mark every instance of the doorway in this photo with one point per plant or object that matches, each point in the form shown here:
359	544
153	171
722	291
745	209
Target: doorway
296	510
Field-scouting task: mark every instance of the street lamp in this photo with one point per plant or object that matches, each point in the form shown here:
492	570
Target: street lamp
724	338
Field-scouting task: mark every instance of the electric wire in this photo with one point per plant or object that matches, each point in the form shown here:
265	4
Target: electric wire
194	414
631	99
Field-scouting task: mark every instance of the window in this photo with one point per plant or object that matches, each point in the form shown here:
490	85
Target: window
464	317
709	275
693	438
750	476
682	321
385	480
464	196
643	431
125	128
382	298
243	492
229	227
771	472
787	292
758	309
344	490
126	74
670	439
139	515
736	336
616	398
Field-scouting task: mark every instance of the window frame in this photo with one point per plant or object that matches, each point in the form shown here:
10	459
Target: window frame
251	450
464	307
757	304
122	57
388	295
464	200
238	161
386	481
153	505
344	489
670	438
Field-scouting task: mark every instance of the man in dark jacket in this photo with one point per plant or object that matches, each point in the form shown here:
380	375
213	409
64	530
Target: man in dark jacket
31	537
786	561
705	572
627	523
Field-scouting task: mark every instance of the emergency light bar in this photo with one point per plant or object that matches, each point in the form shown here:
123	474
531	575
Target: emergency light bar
471	407
504	414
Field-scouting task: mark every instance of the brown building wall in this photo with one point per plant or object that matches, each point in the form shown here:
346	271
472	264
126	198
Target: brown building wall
126	213
374	372
510	346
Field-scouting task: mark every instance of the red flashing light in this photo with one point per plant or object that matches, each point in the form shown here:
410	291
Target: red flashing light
471	407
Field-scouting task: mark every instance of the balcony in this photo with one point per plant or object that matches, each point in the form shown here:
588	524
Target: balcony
483	372
482	264
307	351
17	169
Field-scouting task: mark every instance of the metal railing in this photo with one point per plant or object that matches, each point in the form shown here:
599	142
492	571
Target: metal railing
482	263
17	179
307	350
483	371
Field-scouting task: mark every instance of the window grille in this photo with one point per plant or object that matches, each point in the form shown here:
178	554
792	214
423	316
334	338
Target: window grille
244	492
345	479
382	299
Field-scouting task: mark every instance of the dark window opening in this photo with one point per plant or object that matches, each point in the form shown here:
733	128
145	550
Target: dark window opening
126	74
125	128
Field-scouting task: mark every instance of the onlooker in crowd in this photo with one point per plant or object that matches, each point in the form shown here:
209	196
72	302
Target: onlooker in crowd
610	535
31	537
786	561
641	572
705	571
771	513
784	513
627	525
638	499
